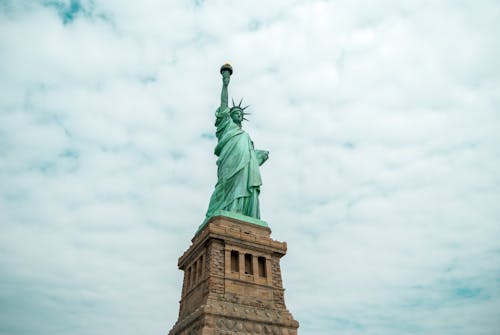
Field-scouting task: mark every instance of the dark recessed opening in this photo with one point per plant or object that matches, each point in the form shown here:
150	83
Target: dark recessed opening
248	264
235	261
262	266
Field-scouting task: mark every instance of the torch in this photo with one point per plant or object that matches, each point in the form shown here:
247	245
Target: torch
226	68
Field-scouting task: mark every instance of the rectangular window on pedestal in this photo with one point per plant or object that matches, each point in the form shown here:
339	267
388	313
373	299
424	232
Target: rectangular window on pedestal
248	264
194	272
200	267
188	277
262	266
235	261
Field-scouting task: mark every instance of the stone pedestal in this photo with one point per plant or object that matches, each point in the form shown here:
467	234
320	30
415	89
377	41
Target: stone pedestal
232	281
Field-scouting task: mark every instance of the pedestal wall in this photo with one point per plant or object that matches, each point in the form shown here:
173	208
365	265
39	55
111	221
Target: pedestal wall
232	282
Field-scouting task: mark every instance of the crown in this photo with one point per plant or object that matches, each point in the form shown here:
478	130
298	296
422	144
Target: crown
238	107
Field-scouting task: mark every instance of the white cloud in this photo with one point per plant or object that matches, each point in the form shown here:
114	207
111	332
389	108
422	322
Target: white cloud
384	116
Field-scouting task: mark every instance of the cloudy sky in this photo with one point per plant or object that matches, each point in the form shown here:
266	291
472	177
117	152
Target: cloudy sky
383	123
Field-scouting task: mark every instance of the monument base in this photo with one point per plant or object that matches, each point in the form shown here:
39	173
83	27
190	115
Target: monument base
232	281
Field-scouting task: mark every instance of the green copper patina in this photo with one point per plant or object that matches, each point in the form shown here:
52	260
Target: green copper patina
238	177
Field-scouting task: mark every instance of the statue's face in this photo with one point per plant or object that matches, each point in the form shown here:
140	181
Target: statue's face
237	116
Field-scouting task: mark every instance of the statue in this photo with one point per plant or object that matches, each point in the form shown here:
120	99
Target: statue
238	177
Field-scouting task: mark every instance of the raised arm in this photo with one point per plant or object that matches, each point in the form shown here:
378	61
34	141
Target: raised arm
223	94
226	71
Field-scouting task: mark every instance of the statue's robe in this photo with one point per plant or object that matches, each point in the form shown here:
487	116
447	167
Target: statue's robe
238	177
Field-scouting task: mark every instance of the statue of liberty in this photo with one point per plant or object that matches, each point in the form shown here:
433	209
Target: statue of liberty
238	177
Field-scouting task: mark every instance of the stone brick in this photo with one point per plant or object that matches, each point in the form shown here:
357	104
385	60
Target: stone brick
219	300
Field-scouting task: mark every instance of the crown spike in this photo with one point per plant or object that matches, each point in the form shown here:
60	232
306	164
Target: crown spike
233	102
239	105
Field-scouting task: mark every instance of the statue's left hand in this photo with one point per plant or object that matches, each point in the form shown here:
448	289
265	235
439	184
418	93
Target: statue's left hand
262	156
